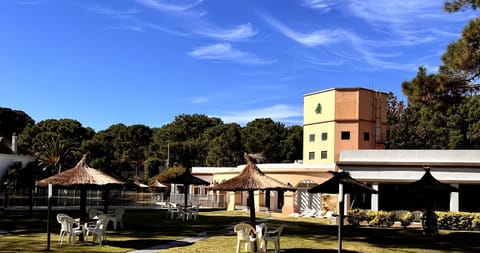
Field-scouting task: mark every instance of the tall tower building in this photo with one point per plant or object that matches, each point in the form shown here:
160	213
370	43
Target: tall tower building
340	119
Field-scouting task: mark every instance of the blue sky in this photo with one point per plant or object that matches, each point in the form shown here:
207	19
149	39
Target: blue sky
146	61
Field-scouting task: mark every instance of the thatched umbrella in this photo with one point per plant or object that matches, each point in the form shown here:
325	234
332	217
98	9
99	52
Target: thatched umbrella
350	185
341	183
157	185
252	179
429	187
186	179
85	178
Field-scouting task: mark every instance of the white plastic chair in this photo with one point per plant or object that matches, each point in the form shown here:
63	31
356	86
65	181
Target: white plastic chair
92	212
244	235
117	218
63	226
274	236
193	213
261	234
99	231
173	211
71	232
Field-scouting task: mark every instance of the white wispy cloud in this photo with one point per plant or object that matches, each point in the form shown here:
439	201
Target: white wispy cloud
311	39
398	12
225	52
278	112
115	13
348	46
322	5
240	32
199	100
175	6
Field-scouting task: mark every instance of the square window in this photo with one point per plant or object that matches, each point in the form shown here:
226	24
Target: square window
366	136
323	155
345	135
312	137
311	156
324	136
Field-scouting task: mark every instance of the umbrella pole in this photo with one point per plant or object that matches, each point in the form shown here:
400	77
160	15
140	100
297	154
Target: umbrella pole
106	200
251	203
186	197
83	203
340	216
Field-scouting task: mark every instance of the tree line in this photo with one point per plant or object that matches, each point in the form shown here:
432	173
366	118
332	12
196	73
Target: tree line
188	141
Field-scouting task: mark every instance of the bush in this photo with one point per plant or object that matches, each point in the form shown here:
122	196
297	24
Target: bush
383	218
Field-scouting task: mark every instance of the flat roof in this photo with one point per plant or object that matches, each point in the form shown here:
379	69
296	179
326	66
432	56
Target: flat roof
267	167
343	89
402	157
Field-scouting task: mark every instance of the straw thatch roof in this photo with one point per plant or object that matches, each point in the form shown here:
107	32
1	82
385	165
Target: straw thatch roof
157	184
81	175
186	178
252	179
429	184
350	185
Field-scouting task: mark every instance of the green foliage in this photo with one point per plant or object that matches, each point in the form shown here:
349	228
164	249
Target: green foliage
461	5
168	173
381	218
13	121
224	145
264	136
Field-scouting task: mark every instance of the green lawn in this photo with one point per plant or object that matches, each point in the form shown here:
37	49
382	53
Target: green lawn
143	229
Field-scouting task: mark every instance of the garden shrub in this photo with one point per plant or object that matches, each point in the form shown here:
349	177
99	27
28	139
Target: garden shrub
383	219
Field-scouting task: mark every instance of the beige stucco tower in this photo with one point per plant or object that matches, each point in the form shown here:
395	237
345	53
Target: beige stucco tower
342	119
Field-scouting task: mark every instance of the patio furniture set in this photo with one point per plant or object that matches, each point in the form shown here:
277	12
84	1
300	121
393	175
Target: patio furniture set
180	212
96	225
257	238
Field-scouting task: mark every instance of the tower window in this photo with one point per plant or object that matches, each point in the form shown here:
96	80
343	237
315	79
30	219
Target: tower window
323	155
345	135
312	137
366	136
324	136
311	155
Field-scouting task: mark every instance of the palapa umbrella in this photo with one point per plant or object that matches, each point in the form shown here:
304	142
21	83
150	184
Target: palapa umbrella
157	185
341	183
186	179
429	187
85	178
252	179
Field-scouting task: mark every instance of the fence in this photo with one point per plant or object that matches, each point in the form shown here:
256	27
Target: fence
71	197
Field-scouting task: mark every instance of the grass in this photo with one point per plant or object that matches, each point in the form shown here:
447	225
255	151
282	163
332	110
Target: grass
147	228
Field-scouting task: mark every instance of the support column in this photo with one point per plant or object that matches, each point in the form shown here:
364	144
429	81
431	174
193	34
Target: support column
454	200
288	203
231	201
374	200
256	197
347	204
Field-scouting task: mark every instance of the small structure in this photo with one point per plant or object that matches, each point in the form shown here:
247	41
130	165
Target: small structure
428	187
186	179
341	183
252	179
83	177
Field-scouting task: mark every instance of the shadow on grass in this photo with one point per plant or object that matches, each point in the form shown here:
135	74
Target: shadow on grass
155	244
316	251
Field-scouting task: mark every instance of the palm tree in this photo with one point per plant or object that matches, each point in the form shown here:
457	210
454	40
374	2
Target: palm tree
52	153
